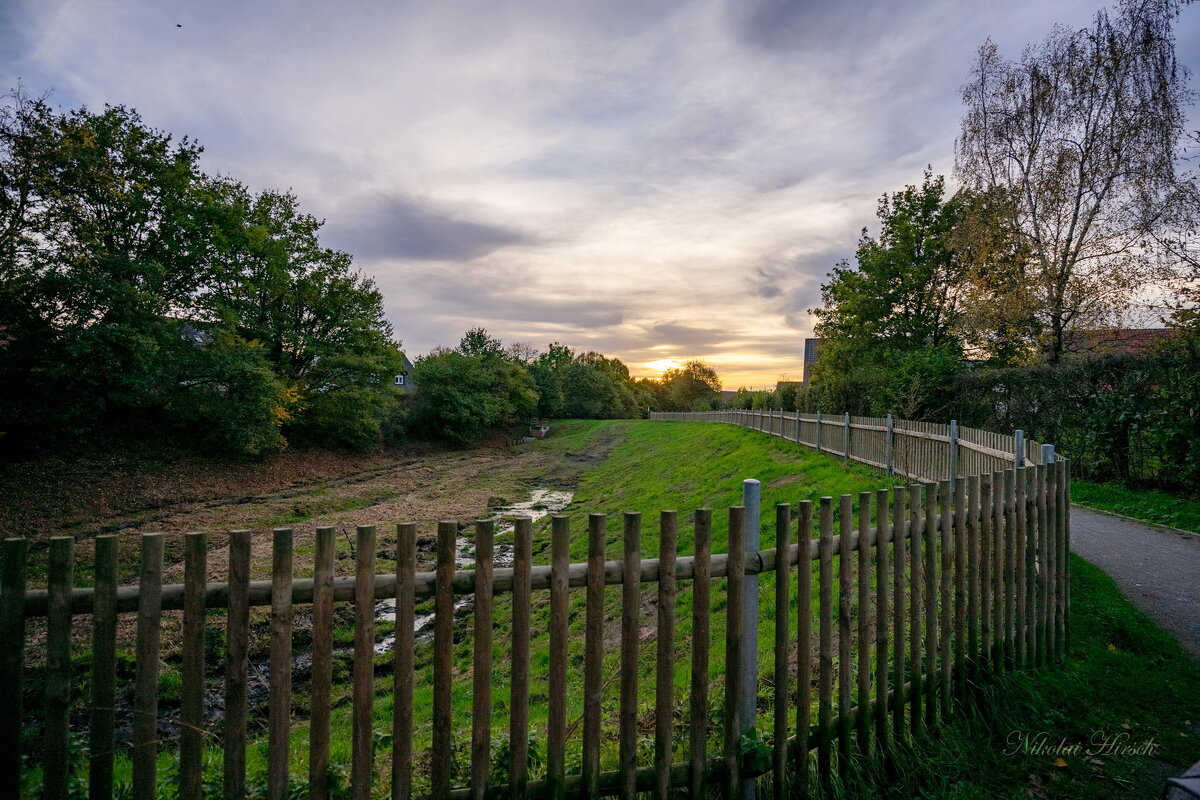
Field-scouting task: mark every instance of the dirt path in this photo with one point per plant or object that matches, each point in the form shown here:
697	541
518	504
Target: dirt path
1157	569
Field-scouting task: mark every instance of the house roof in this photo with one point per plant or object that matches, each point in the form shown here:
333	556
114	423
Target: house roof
1126	341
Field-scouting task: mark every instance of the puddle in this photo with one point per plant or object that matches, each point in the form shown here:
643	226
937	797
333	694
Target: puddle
541	503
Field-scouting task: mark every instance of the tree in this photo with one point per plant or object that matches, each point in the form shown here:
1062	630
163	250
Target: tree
139	295
694	386
460	398
903	294
1081	136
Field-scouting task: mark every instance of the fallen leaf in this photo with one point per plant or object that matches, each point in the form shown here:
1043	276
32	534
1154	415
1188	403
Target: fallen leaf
1060	762
1112	648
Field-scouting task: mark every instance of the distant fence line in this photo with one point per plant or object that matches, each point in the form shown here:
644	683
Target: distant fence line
921	450
938	587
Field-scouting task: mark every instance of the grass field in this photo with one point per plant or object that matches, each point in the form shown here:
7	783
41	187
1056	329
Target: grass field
1148	505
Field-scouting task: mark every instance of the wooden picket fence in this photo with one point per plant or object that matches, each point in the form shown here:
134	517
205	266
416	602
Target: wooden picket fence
926	451
937	587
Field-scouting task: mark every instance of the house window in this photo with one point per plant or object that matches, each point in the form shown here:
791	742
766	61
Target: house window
399	380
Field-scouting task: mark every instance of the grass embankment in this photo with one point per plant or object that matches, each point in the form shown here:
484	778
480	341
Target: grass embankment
1117	718
1161	508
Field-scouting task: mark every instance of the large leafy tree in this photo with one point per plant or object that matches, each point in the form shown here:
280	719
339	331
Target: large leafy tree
693	386
903	292
1082	136
891	323
139	294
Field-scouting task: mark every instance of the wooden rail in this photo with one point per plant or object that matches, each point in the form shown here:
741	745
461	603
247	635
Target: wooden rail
937	587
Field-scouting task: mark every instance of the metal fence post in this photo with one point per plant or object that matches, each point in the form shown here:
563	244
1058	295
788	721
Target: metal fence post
887	445
953	449
818	430
1048	454
752	500
1018	448
846	436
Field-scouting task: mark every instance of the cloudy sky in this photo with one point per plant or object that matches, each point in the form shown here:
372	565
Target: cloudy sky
652	180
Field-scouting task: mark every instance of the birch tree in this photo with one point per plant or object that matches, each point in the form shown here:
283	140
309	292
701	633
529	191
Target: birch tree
1083	134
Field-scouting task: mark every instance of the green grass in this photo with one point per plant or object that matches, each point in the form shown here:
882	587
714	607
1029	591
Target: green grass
1144	504
1124	680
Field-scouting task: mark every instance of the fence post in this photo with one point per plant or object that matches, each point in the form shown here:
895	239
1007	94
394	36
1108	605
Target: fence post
752	500
818	430
887	445
953	449
1048	454
846	436
1018	448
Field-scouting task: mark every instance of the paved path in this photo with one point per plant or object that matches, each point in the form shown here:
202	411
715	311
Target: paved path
1157	569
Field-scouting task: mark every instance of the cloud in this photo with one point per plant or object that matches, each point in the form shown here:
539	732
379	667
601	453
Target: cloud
646	178
397	227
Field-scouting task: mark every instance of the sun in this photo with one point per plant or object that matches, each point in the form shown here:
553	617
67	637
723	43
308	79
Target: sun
662	365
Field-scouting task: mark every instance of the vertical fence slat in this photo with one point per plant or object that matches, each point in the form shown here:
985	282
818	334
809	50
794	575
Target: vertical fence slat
698	717
518	731
322	666
862	648
945	607
1050	544
238	665
402	680
933	527
104	661
630	628
1043	564
191	734
734	623
664	690
556	728
783	580
593	657
363	692
145	691
803	645
882	612
900	534
1066	553
280	712
825	663
443	659
1013	592
481	666
960	589
12	663
57	758
984	549
845	578
999	575
916	590
1021	545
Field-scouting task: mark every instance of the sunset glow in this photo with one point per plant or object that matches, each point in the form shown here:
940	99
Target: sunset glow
619	177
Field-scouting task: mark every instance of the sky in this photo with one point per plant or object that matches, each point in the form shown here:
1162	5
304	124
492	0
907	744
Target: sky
652	180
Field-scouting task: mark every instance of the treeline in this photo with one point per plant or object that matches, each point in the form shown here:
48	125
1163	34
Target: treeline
141	297
465	392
